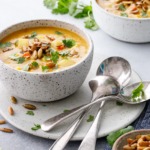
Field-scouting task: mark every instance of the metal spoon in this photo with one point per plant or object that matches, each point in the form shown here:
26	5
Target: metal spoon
120	69
100	86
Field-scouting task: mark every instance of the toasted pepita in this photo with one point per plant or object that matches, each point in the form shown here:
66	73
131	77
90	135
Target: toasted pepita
29	106
2	121
6	130
10	110
13	100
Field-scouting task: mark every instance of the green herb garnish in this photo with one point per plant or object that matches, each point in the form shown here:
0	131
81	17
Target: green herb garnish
69	43
119	103
138	92
33	35
30	113
54	56
58	32
4	45
36	127
64	53
35	64
66	110
73	8
144	14
113	136
90	119
45	68
122	7
20	60
124	14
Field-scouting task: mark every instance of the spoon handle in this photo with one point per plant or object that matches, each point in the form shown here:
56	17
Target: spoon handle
52	122
89	140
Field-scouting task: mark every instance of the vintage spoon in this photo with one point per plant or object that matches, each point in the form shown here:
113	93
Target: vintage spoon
120	69
113	66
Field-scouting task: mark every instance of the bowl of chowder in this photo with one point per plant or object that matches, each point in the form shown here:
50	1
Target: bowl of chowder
44	60
125	20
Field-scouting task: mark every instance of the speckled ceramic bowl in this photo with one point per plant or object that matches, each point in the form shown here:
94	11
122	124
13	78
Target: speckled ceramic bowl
122	28
118	145
44	87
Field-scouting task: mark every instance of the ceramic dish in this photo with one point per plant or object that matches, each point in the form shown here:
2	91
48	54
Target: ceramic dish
118	145
51	86
111	119
122	28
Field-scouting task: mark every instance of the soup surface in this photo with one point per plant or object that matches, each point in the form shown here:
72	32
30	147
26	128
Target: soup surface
42	49
127	8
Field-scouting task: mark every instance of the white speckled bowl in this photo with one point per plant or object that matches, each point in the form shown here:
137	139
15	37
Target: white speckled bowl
44	87
122	28
118	145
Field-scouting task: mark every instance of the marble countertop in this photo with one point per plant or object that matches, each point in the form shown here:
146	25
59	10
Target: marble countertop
15	11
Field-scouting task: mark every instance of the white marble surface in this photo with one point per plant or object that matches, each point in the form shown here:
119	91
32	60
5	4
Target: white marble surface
14	11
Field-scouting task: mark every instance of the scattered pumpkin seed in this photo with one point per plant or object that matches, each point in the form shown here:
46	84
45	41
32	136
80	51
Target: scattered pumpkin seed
29	106
2	121
6	130
13	100
10	110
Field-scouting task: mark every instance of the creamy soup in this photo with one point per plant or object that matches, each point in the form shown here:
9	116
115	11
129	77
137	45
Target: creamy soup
127	8
42	49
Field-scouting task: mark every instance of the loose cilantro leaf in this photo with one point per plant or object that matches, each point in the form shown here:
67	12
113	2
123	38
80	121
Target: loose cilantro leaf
36	127
33	35
45	68
113	136
122	7
90	119
30	113
20	60
138	92
69	43
143	14
58	32
4	45
124	14
66	110
50	3
90	23
64	53
35	64
54	56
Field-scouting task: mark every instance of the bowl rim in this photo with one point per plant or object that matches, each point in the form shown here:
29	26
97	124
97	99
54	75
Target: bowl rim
89	41
120	17
123	136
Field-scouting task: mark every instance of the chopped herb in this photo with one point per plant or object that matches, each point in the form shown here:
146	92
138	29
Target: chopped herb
58	32
54	56
4	45
66	110
122	7
90	119
64	53
119	103
143	14
45	68
124	14
35	64
26	67
113	136
138	92
69	43
44	105
33	35
30	113
20	60
47	58
36	127
50	3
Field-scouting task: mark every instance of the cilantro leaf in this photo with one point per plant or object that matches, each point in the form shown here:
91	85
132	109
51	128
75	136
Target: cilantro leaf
45	68
66	110
35	64
138	92
31	113
143	14
33	35
69	43
90	119
54	56
124	14
58	32
122	7
113	136
20	60
36	127
4	45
